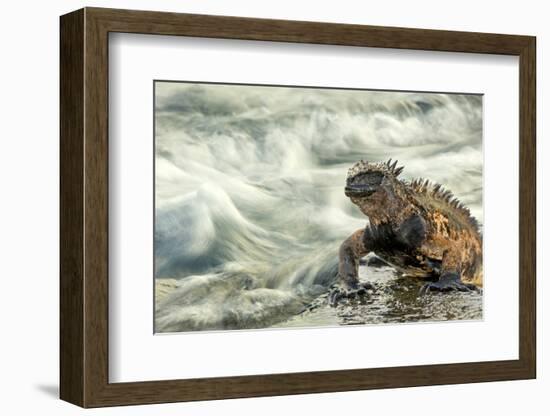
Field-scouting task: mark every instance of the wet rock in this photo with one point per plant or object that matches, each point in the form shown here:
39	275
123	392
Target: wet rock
395	300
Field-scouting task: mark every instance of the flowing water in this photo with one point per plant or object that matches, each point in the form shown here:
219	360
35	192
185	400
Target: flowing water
250	205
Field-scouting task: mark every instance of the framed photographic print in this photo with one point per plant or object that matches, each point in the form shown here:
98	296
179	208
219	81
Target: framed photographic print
255	207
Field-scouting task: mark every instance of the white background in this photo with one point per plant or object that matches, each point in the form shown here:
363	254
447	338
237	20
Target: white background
136	355
29	210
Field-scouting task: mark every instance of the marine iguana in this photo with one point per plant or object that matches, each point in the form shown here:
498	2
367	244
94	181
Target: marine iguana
418	227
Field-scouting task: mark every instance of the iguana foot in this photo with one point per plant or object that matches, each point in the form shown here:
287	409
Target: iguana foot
338	293
448	282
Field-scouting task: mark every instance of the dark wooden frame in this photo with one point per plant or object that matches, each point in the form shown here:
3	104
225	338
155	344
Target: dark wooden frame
84	207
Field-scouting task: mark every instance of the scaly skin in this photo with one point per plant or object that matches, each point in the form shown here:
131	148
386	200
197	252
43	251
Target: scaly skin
417	227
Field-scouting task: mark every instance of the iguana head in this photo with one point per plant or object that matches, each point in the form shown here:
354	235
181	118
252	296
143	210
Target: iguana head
376	190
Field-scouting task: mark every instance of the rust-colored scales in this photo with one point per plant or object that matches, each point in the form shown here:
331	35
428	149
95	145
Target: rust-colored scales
459	244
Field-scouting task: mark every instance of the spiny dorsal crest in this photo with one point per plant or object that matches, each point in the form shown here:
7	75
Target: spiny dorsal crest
387	168
435	190
438	192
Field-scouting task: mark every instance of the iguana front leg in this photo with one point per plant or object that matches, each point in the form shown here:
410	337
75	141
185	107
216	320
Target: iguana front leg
449	279
351	251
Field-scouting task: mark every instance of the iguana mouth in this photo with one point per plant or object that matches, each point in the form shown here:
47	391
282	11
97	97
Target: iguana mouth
360	190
